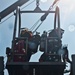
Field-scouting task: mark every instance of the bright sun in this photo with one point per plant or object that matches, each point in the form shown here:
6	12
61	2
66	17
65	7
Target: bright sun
43	0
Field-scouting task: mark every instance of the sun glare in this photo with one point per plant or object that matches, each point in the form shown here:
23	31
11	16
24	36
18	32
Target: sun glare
71	28
67	7
43	1
67	2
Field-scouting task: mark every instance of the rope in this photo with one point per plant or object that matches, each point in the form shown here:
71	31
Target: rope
37	27
7	19
34	25
28	4
46	14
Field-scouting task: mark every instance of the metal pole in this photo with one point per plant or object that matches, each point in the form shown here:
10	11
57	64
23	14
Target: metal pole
11	8
19	14
55	19
46	46
1	65
33	71
14	34
59	29
73	65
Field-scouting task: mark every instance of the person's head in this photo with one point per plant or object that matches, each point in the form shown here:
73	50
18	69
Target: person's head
23	31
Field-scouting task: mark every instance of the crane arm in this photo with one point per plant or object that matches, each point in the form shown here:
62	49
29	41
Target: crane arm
11	8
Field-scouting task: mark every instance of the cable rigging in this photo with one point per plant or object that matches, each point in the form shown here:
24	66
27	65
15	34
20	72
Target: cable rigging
43	17
13	13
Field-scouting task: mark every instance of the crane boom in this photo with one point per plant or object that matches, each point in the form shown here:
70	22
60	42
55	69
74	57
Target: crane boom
11	8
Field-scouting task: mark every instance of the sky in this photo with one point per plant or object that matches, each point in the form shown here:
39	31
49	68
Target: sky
67	21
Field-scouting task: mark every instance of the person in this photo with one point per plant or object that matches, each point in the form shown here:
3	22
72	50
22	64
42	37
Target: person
65	56
44	35
55	33
34	42
26	33
66	59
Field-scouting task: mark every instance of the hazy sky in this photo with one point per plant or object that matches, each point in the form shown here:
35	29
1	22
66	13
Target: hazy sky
67	17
